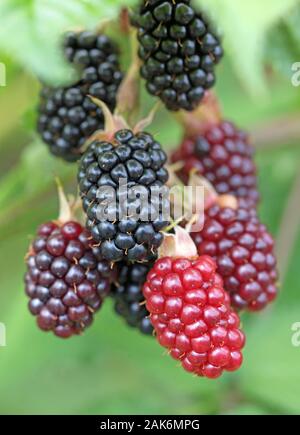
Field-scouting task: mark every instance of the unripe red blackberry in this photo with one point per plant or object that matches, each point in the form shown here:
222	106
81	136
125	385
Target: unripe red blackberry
137	160
67	116
191	315
244	253
66	279
224	156
179	51
128	295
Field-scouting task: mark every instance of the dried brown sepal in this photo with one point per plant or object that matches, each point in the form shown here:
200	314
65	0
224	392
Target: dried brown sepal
178	245
68	206
112	123
210	194
129	91
145	122
65	213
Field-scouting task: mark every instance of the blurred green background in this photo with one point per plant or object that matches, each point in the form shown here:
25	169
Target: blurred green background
113	369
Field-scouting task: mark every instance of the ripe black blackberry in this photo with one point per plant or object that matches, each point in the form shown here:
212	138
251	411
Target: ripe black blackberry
85	49
66	278
128	295
67	116
129	227
179	51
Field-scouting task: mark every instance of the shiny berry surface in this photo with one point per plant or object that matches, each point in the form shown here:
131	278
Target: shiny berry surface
191	315
130	229
67	116
66	279
244	252
224	156
179	51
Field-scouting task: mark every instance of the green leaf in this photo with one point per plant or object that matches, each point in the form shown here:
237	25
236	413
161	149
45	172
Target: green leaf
283	47
27	185
40	24
248	409
245	25
270	374
276	172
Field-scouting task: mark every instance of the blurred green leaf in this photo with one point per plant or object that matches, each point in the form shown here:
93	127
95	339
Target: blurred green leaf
276	172
245	25
40	24
271	373
248	409
283	48
14	101
23	181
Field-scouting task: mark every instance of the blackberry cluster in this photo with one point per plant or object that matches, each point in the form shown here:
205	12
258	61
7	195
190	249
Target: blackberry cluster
192	317
128	296
66	278
179	52
67	116
124	227
223	155
244	252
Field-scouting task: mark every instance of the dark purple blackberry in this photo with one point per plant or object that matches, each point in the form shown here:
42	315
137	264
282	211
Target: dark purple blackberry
122	188
67	116
66	278
128	296
244	252
224	155
179	51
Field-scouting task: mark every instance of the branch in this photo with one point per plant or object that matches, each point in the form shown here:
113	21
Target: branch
277	132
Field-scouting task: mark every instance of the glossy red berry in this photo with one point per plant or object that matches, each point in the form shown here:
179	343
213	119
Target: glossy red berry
223	155
191	315
244	252
66	278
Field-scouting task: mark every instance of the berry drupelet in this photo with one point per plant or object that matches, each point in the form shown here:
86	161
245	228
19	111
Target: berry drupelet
244	252
85	49
128	295
191	315
223	155
67	116
129	227
179	52
66	278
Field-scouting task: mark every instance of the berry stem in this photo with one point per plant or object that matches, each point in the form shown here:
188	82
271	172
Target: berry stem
124	21
128	97
205	116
